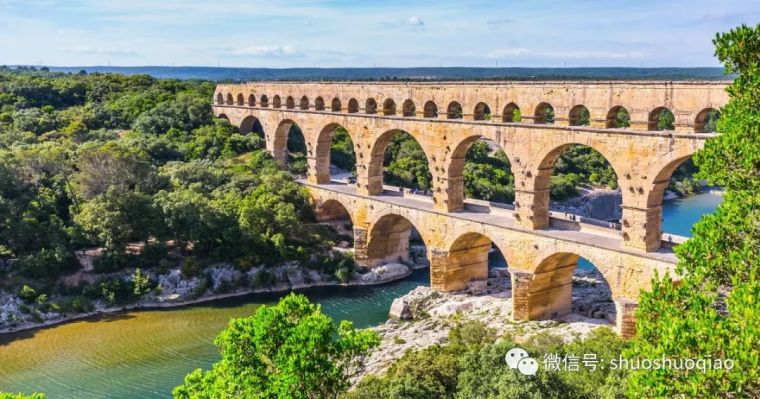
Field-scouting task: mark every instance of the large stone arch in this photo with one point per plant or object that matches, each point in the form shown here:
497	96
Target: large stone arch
333	209
251	124
375	163
465	262
454	170
388	238
279	146
533	185
320	173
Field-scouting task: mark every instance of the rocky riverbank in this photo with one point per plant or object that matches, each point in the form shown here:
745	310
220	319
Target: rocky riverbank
424	317
174	289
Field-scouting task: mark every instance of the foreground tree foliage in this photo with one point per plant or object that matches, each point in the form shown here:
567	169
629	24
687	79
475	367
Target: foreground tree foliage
288	350
471	365
714	312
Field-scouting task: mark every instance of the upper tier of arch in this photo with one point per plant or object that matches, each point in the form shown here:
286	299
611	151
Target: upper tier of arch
687	100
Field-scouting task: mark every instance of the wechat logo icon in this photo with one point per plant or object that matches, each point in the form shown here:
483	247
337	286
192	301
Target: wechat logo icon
517	358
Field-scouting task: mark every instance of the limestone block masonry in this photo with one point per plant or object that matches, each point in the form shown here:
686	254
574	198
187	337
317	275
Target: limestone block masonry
446	119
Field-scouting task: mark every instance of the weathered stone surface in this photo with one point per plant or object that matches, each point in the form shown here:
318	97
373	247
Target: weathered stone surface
400	310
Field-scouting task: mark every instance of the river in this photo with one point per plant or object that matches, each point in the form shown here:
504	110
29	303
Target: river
144	354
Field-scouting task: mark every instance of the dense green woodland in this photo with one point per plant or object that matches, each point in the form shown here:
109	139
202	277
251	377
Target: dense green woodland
107	161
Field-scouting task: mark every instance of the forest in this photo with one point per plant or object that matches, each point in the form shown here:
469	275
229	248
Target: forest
141	169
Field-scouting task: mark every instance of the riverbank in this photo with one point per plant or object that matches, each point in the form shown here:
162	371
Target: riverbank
177	291
424	317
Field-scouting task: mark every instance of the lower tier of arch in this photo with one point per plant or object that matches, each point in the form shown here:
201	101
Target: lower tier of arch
541	263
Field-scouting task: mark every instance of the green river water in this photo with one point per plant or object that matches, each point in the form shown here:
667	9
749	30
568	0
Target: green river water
144	354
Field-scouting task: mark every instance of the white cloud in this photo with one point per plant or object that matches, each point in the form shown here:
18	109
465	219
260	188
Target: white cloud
265	51
594	54
101	51
506	53
415	21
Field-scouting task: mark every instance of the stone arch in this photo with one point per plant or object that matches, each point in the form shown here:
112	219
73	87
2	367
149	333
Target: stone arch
377	156
251	100
319	104
482	112
290	103
335	106
276	101
454	111
370	106
659	116
510	113
304	103
544	114
618	118
280	142
430	110
220	98
322	154
224	116
389	107
240	99
408	109
353	106
251	124
230	100
705	120
466	263
536	200
388	239
332	210
546	292
579	116
455	171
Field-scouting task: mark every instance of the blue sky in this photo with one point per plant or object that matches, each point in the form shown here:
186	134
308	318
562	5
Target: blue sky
389	33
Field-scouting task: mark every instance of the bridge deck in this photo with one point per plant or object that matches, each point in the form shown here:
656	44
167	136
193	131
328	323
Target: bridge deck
592	236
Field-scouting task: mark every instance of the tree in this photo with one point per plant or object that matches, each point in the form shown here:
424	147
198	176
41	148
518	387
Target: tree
112	166
21	396
713	313
289	350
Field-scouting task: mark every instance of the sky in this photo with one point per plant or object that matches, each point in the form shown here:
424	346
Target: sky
388	33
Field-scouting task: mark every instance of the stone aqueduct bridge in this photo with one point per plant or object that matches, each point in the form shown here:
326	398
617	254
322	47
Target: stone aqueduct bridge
542	251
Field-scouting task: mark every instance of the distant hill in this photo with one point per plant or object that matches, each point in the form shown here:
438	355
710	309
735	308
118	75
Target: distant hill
454	73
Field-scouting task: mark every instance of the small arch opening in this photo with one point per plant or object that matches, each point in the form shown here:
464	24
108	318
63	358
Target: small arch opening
240	99
319	104
370	106
290	103
430	110
276	102
707	121
251	100
409	110
482	112
661	118
579	116
389	107
544	114
230	100
219	98
304	103
335	106
454	111
511	113
618	118
353	106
